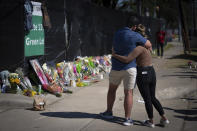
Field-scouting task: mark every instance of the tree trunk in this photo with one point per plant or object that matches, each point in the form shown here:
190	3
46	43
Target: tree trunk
139	7
184	29
194	16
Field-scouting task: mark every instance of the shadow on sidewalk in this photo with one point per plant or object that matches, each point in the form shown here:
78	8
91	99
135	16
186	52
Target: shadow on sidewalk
82	115
187	114
183	111
186	74
182	76
186	57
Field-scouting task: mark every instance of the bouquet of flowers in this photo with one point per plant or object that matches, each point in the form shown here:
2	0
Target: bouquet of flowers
24	80
52	87
60	70
14	78
53	80
48	73
14	82
86	69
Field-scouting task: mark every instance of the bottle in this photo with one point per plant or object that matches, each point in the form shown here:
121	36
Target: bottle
39	89
18	90
74	83
3	88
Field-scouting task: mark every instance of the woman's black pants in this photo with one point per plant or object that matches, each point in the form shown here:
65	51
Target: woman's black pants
146	82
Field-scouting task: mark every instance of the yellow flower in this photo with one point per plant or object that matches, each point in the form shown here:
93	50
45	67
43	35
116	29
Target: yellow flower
12	80
80	84
17	81
33	93
58	64
25	90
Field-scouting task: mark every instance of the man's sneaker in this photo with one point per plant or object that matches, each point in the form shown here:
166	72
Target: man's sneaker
128	122
107	115
148	123
164	122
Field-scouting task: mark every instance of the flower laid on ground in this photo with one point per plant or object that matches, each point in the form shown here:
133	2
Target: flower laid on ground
58	77
17	83
30	93
14	82
14	78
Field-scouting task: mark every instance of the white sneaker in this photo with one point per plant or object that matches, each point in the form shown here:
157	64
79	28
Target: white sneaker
148	123
128	122
164	122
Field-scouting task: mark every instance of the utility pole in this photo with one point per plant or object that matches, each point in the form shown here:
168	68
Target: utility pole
180	30
184	29
194	5
139	7
155	9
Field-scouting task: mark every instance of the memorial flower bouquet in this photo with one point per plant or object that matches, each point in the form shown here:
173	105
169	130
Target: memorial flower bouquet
86	69
48	73
53	79
14	78
14	82
24	80
60	70
17	85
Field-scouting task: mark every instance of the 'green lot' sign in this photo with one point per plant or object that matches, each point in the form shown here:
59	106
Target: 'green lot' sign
34	41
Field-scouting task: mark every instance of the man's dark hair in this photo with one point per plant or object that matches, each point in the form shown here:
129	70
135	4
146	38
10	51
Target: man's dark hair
133	20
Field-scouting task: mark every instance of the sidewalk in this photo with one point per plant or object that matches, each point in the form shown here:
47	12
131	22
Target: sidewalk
79	111
172	82
174	78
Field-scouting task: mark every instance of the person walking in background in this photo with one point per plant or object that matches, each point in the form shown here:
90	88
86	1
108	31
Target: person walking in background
124	42
160	42
146	81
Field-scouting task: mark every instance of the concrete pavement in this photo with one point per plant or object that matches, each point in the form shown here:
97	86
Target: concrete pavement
174	77
79	111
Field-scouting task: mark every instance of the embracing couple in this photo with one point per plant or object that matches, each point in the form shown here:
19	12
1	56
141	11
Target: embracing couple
132	63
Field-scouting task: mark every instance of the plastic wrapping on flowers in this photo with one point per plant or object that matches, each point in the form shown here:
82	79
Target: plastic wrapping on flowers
21	85
78	73
5	84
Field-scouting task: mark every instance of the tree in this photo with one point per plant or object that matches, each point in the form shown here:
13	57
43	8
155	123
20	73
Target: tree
165	9
184	29
194	15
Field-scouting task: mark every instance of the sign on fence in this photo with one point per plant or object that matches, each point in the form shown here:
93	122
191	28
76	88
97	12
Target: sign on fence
34	41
